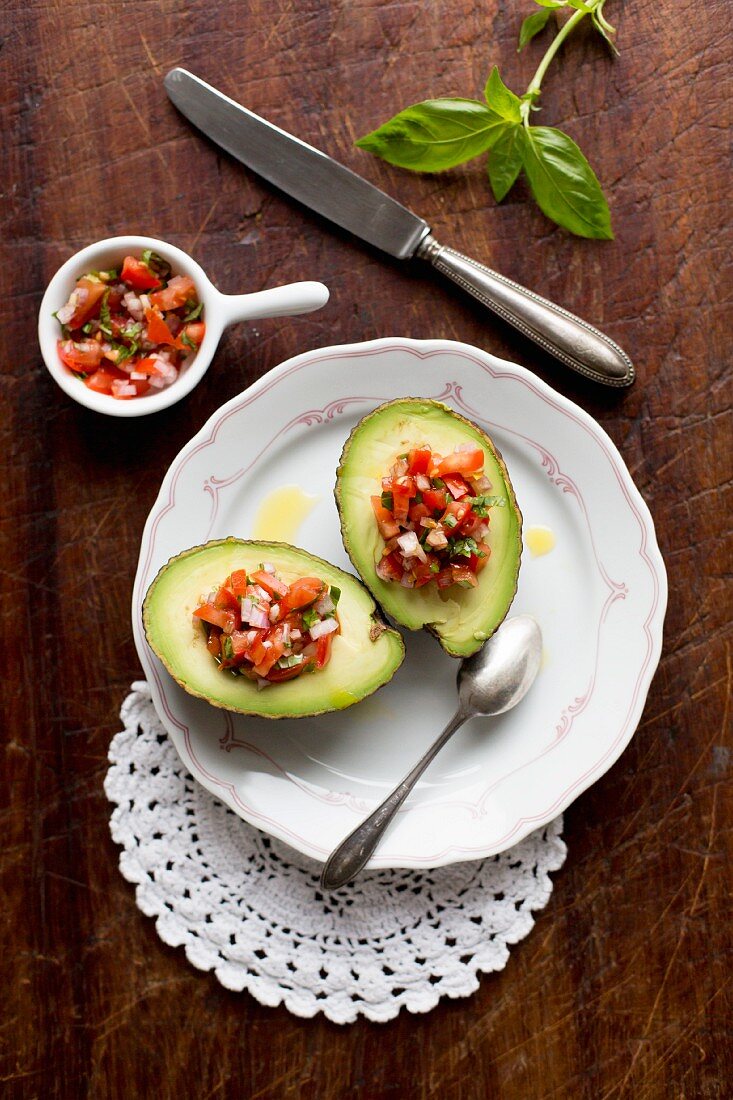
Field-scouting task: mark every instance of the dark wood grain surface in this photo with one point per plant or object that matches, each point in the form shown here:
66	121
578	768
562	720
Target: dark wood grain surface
623	987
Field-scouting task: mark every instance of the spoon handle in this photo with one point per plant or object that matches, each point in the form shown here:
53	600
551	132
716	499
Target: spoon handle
352	854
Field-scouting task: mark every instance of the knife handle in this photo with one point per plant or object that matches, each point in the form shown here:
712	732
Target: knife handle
571	340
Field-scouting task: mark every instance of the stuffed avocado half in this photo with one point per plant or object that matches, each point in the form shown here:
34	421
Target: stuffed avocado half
363	653
463	526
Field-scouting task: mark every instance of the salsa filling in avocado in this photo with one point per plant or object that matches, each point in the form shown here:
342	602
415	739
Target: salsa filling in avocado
260	627
434	515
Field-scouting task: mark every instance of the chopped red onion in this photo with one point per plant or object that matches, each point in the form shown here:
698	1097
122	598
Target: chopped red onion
422	482
323	627
324	604
274	612
259	619
268	567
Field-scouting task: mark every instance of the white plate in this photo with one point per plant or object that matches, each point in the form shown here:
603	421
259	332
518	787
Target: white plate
599	596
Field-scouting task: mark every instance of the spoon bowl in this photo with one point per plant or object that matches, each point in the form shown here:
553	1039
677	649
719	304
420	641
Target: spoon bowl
497	676
490	682
220	311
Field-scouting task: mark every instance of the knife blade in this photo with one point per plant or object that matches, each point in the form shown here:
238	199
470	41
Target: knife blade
351	202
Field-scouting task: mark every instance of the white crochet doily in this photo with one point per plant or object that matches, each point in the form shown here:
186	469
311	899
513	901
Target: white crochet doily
251	909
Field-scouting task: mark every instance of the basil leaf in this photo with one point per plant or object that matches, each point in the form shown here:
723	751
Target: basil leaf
564	184
435	135
505	161
501	99
531	26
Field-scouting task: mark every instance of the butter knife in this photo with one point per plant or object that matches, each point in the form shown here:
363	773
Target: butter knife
354	204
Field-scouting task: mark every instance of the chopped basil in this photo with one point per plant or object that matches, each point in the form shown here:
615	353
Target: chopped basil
464	548
194	312
87	328
156	263
186	339
481	504
388	501
434	567
450	521
438	483
310	617
125	352
105	320
290	662
226	646
418	497
335	593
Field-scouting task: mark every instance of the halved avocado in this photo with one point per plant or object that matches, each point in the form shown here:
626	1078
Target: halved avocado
461	618
365	654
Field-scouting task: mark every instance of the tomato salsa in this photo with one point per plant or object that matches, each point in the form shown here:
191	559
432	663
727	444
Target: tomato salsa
126	332
260	627
434	516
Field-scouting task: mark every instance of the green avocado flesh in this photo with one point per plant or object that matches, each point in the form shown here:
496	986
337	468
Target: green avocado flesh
365	654
461	618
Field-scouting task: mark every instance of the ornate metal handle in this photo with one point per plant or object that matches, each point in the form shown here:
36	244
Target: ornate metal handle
571	340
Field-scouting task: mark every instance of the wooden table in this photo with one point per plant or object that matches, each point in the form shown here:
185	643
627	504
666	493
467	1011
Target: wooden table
622	989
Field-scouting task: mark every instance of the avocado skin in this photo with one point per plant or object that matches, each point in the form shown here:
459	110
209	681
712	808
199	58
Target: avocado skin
394	426
180	645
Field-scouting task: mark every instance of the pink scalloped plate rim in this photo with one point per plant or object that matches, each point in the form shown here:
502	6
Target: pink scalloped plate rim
492	371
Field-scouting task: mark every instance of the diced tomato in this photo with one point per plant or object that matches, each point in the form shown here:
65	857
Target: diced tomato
213	643
180	289
80	357
435	499
388	526
158	331
445	577
238	582
138	275
464	575
456	486
148	365
301	593
269	659
423	571
403	490
418	460
102	379
269	582
476	562
418	512
121	388
216	616
323	649
86	297
472	523
459	510
257	650
240	645
225	600
462	462
195	331
390	568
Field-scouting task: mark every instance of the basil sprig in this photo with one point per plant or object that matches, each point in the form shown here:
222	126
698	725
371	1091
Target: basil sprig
443	133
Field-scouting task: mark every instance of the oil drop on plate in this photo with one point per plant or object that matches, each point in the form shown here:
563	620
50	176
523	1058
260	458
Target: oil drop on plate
280	514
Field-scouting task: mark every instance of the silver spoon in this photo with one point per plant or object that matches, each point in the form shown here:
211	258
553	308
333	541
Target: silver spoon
489	682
